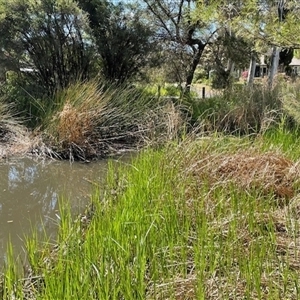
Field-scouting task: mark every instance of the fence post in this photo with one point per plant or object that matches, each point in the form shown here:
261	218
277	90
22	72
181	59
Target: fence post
203	92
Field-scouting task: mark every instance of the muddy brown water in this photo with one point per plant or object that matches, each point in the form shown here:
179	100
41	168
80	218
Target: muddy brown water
30	191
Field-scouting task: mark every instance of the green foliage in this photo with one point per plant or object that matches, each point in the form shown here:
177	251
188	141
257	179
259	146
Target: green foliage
221	78
228	52
201	75
166	90
173	222
48	45
46	40
27	97
122	39
183	37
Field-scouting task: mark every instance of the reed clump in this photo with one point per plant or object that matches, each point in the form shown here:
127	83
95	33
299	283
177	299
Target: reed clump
238	110
91	120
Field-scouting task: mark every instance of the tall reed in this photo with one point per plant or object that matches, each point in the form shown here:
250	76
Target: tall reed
237	110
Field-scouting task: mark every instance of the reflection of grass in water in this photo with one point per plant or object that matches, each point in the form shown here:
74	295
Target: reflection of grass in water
173	225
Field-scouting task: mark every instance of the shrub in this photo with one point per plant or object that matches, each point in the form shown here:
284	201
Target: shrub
27	97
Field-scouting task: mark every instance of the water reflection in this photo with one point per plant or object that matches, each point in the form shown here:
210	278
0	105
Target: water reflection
30	191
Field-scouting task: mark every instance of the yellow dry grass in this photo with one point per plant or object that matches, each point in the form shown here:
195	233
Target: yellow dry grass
18	141
74	125
267	172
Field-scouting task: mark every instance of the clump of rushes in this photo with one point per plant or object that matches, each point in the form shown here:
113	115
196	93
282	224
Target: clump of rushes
89	120
171	225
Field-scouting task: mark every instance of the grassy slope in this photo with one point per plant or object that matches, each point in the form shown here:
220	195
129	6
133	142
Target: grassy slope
175	225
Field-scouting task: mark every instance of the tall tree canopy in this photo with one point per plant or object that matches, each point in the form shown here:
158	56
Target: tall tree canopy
267	24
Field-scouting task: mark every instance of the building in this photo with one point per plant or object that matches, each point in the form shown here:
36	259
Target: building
261	69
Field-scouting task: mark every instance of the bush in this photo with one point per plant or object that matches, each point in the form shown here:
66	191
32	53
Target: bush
166	90
201	75
290	97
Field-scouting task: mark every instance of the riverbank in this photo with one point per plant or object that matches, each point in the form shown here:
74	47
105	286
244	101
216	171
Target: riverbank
207	218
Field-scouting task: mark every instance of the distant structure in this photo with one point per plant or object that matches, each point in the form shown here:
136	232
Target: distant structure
261	69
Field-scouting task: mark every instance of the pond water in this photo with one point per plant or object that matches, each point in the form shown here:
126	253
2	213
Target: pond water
30	191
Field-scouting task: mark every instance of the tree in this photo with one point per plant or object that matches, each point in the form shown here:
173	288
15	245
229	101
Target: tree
226	53
180	33
123	41
48	40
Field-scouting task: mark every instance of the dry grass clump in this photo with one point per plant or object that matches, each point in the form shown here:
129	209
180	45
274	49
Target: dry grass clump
267	172
73	119
73	125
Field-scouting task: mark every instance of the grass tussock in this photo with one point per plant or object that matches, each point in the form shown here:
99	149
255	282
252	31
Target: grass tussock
290	97
196	220
89	120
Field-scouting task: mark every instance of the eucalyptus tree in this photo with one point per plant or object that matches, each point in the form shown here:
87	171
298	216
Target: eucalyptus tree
227	54
180	33
266	24
230	50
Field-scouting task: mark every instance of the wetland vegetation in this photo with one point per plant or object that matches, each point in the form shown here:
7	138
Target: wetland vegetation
208	208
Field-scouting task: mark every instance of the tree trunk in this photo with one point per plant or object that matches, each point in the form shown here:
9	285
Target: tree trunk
274	65
251	71
192	68
230	66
